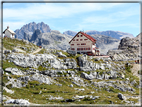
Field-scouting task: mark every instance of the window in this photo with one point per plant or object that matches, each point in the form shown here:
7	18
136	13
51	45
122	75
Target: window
78	48
93	43
83	43
76	39
72	48
88	48
85	39
80	39
73	39
81	35
72	44
78	44
81	48
84	48
77	35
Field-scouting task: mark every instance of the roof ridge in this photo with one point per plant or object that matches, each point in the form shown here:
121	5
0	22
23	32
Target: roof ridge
86	35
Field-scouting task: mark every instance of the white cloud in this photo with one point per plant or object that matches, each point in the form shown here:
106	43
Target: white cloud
54	10
115	19
46	11
12	25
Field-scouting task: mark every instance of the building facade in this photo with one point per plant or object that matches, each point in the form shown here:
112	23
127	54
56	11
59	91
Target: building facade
9	33
84	43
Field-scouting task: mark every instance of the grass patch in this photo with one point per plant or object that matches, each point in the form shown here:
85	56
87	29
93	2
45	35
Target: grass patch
10	44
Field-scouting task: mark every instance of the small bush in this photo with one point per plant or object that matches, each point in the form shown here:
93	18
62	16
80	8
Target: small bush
140	72
35	92
51	91
128	67
9	86
36	83
87	99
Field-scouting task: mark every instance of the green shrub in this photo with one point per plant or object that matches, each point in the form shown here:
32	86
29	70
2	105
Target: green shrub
36	83
9	86
35	92
128	67
87	99
52	91
140	72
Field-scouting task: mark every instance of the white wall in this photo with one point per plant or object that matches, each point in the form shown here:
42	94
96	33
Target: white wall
88	44
8	34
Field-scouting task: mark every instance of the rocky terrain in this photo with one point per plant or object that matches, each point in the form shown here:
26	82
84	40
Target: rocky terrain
114	34
51	76
41	35
128	49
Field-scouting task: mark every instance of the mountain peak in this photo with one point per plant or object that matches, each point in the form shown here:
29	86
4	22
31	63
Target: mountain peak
30	28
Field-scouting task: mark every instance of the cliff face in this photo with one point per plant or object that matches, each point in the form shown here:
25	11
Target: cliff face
51	40
30	28
129	48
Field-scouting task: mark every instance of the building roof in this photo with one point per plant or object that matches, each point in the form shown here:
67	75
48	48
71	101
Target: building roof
9	30
88	36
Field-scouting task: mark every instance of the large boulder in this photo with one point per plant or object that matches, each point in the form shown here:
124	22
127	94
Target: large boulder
29	60
7	51
86	76
41	78
17	101
121	96
14	71
60	54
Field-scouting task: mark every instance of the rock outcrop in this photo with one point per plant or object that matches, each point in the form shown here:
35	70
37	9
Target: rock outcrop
128	49
30	28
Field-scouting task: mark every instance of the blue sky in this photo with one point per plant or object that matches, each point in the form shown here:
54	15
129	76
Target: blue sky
123	17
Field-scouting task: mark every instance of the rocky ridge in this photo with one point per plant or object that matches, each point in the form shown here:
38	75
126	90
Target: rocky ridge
58	77
128	49
114	34
41	35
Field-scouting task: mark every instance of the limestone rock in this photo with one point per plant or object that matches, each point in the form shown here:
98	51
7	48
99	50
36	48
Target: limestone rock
121	96
86	76
14	71
17	101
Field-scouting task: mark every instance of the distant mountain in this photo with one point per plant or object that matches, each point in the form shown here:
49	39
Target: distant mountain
41	35
114	34
105	43
28	29
69	32
51	40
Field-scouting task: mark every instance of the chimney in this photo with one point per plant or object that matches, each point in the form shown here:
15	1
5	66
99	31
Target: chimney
7	27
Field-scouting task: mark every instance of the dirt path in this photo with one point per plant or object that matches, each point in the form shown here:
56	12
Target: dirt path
135	69
36	50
